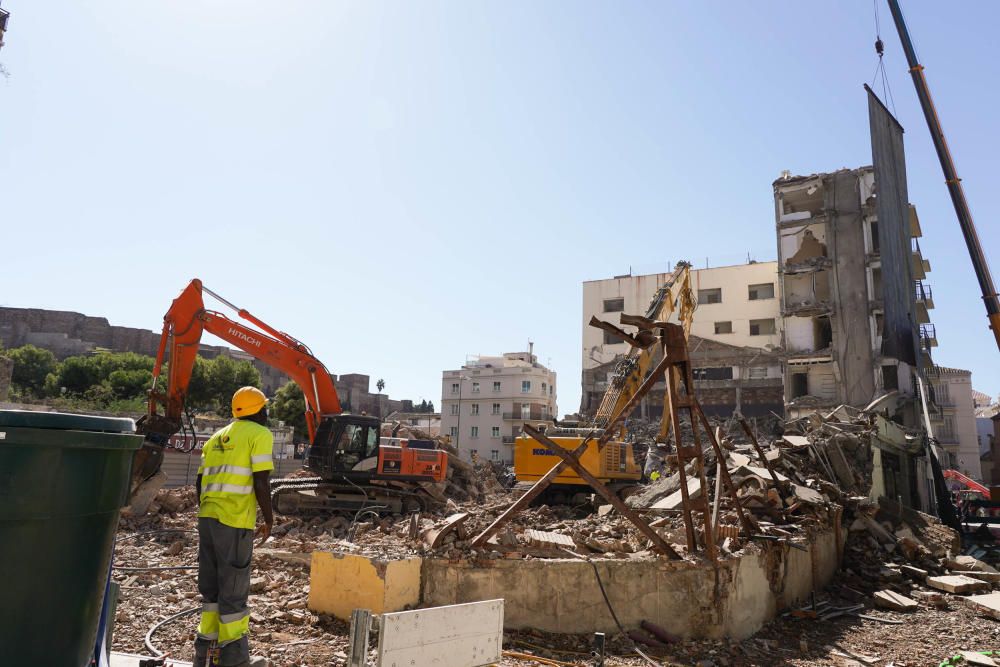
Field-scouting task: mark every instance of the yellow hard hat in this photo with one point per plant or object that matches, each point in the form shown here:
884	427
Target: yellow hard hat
248	401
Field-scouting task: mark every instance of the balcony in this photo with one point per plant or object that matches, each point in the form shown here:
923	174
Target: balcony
925	301
520	416
508	439
921	266
928	336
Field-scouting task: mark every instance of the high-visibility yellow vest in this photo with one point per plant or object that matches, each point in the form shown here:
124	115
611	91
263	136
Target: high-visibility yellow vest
228	461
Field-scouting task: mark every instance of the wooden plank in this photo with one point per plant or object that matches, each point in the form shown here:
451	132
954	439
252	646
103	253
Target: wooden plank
461	635
623	509
895	601
528	497
957	583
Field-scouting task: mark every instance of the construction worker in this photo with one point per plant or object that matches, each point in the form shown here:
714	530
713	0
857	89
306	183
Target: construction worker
232	482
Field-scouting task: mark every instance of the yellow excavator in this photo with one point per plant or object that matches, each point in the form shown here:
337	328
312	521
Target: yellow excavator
615	464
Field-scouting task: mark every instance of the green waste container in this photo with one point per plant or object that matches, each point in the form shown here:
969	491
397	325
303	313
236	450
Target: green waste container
63	480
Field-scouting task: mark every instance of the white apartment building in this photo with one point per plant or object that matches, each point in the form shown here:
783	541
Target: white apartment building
738	307
955	424
485	402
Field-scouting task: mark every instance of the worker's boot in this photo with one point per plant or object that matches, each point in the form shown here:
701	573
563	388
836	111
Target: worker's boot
255	661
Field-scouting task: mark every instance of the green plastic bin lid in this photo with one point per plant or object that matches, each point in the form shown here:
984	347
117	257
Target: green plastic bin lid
64	421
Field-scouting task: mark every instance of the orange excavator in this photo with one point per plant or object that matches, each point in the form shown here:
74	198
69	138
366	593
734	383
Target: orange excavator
354	468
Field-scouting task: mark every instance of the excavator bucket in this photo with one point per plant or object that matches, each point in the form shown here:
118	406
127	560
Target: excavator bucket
147	478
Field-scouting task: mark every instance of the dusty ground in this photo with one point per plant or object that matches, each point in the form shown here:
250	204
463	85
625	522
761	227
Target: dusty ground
291	636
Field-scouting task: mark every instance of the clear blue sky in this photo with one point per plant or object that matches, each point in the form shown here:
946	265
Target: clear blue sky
402	184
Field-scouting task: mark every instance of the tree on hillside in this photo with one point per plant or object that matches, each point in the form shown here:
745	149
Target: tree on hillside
31	366
289	406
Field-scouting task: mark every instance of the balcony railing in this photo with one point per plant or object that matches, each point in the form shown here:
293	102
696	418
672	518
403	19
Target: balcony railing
922	292
928	336
508	439
520	416
947	437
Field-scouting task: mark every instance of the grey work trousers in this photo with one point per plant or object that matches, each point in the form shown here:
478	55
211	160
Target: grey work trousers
224	555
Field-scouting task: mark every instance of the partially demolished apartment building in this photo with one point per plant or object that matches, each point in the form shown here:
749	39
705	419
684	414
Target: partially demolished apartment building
845	321
855	308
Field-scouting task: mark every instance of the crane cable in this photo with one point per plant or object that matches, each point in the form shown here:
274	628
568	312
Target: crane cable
880	67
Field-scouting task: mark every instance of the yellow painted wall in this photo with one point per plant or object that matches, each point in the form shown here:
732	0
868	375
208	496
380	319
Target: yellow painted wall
341	583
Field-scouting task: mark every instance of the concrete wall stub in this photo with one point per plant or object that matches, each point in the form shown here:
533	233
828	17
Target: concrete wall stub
341	583
563	595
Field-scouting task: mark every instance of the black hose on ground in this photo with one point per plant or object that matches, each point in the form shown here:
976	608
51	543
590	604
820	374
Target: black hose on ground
148	639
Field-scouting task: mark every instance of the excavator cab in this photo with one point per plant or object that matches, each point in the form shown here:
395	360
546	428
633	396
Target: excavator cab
343	444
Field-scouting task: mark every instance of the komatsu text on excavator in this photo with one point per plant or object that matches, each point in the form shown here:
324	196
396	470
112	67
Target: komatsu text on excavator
354	467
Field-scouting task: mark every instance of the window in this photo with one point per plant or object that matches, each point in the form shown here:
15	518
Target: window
474	409
545	387
762	327
496	386
551	389
474	454
723	327
614	305
495	454
454	408
890	377
525	386
474	432
800	384
713	295
761	291
454	431
612	339
496	409
718	373
873	226
525	411
454	387
475	387
495	432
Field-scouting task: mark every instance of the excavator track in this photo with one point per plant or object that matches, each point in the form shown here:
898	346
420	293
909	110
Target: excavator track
311	496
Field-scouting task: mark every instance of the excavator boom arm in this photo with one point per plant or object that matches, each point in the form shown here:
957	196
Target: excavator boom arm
188	319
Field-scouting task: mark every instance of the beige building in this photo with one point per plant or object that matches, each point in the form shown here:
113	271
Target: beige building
484	403
735	335
955	422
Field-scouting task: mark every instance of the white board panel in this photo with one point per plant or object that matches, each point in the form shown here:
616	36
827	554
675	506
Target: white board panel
460	635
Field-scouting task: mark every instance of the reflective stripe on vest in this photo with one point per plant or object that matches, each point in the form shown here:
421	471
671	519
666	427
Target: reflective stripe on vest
228	488
231	469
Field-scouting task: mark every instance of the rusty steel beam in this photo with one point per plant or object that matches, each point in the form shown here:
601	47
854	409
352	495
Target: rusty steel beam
530	495
767	464
573	462
749	525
